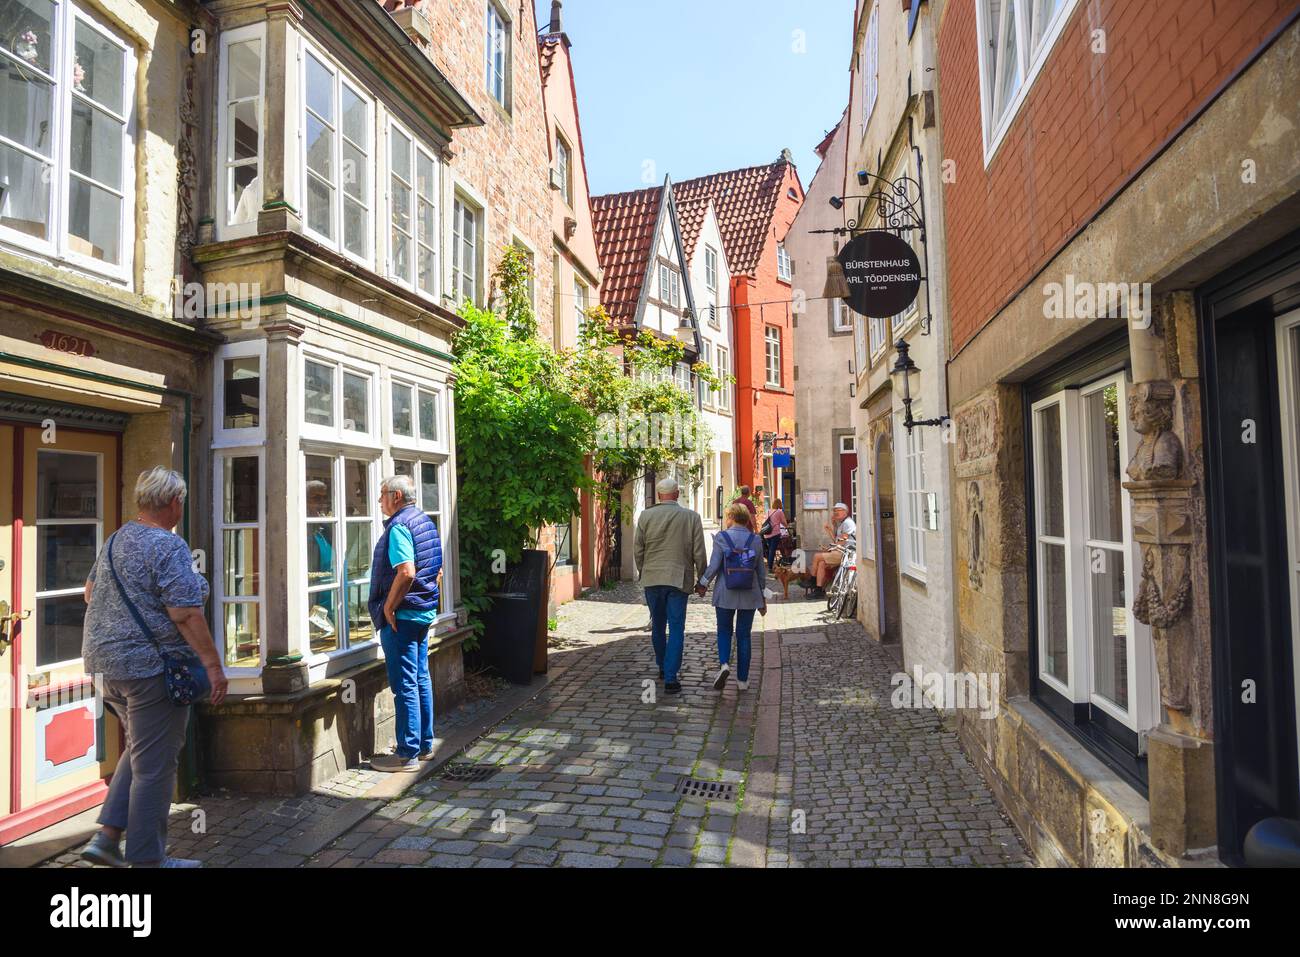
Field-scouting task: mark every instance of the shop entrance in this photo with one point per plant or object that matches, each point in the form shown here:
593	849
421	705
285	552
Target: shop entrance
57	504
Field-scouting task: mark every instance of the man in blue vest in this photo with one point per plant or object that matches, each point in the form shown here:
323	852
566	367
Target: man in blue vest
403	603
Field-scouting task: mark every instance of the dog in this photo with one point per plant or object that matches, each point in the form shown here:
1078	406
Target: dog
788	573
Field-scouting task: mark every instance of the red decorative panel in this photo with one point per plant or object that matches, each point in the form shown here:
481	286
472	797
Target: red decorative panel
69	735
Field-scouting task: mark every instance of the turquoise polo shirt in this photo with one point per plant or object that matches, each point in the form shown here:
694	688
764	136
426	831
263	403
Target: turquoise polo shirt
401	549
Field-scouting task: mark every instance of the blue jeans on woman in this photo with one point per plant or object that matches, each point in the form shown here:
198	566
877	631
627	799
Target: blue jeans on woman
770	546
406	653
739	622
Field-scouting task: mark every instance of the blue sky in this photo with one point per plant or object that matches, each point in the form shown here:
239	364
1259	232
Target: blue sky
701	86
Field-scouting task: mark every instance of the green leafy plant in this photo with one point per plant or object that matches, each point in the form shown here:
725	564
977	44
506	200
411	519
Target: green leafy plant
521	437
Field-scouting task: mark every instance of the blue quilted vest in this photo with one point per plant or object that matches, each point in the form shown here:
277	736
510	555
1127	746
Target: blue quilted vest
423	595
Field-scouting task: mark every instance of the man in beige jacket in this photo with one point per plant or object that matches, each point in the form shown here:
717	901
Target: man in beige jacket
670	559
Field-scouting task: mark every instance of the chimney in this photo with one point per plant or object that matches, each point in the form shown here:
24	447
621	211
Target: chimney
557	25
786	155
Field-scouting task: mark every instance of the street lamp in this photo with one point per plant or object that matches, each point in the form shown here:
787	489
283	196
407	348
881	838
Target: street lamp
906	377
685	330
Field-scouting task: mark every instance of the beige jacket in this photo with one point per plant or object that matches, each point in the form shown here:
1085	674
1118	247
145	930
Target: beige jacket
670	547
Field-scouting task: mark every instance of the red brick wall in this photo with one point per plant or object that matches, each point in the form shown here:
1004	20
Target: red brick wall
1088	123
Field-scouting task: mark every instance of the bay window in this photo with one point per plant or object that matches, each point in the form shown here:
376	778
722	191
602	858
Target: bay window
239	559
341	521
413	212
416	413
337	158
338	399
67	151
1094	659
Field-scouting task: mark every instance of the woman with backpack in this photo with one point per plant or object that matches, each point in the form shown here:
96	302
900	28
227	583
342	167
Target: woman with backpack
737	567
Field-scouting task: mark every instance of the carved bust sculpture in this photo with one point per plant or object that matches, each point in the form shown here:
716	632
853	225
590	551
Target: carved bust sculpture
1159	455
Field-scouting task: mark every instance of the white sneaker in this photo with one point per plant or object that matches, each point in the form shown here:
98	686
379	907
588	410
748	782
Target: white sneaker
720	682
742	685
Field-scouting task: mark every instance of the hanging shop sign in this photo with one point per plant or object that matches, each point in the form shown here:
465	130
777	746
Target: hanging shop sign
781	458
883	274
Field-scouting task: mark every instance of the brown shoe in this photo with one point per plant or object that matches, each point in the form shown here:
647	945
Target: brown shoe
390	763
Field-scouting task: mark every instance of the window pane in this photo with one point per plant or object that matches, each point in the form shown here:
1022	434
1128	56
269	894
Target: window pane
24	189
1101	429
360	552
402	424
320	487
67	485
320	89
401	207
94	221
28	31
318	388
64	555
430	501
98	68
240	491
245	123
320	149
242	378
401	158
355	228
26	108
240	553
58	629
320	209
401	467
242	647
322	622
1048	454
1054	613
356	402
354	117
321	569
354	172
244	72
428	415
401	254
1109	626
356	480
245	194
428	271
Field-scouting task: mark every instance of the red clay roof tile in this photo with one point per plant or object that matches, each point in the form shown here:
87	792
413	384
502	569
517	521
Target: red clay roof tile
745	201
625	236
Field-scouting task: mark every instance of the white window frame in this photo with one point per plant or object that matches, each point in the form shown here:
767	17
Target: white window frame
564	166
879	338
219	525
784	264
340	79
870	66
57	246
418	459
463	203
225	228
860	351
417	149
867	507
670	286
223	438
499	29
1030	60
841	316
414	443
772	356
722	356
711	269
912	481
1143	696
580	293
38	595
372	457
337	434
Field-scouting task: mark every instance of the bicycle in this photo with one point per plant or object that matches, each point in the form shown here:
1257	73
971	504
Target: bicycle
842	593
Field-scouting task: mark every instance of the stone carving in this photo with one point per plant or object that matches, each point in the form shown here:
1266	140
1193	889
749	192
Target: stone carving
187	170
975	536
1152	608
977	431
1159	455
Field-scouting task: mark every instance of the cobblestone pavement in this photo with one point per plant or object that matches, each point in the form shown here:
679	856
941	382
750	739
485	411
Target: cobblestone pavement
825	772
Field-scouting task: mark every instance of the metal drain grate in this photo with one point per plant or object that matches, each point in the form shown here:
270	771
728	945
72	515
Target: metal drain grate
706	790
468	773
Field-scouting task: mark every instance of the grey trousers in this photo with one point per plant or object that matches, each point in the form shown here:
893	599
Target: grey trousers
140	794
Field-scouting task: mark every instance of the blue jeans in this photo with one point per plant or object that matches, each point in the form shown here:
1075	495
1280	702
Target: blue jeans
741	622
770	545
667	612
406	652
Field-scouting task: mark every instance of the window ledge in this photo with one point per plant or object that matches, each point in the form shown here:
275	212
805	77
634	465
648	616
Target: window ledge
912	579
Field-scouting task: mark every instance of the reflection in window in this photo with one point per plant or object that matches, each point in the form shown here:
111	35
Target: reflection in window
241	395
240	542
68	534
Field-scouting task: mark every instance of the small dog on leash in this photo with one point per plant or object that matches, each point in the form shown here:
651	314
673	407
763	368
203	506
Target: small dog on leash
788	573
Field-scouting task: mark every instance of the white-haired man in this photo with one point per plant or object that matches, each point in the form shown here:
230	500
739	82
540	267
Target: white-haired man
670	559
845	532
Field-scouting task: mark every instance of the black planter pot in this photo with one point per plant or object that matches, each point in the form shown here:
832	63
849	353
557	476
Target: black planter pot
514	636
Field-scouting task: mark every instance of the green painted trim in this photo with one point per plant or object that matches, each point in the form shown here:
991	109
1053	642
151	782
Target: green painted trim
299	303
282	204
441	127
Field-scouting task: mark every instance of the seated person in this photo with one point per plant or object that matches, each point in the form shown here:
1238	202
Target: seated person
826	562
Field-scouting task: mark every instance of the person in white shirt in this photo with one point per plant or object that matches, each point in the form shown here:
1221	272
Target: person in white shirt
845	532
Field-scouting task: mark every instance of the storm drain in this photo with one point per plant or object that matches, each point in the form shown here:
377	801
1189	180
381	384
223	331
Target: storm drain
706	790
468	773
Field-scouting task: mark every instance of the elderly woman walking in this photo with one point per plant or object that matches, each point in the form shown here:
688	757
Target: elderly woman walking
737	566
145	614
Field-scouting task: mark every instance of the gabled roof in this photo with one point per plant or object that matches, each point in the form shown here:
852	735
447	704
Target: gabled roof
690	219
625	238
745	201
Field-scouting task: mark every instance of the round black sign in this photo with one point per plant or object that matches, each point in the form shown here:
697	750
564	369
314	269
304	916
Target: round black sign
883	272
